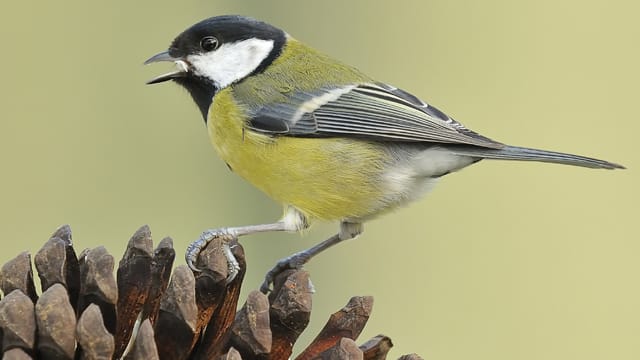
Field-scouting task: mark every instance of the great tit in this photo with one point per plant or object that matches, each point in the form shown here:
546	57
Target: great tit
317	135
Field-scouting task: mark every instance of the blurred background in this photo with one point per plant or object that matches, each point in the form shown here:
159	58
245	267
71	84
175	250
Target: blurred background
501	261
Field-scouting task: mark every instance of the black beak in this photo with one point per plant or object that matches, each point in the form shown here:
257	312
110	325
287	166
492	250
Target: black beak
164	56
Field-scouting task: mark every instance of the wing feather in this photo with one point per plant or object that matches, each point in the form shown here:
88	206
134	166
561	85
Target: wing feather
372	111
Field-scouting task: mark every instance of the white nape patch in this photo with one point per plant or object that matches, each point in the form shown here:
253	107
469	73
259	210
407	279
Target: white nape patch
294	220
316	102
232	61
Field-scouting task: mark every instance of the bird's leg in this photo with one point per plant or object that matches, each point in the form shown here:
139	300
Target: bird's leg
293	220
348	230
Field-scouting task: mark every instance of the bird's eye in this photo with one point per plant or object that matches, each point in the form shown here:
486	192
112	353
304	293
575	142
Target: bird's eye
209	43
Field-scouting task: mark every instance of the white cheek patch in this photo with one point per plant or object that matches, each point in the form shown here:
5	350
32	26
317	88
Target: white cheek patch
232	61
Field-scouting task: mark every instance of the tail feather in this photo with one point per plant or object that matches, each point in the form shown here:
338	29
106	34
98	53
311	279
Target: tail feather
528	154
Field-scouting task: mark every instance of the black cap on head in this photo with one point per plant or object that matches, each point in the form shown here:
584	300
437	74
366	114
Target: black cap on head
227	29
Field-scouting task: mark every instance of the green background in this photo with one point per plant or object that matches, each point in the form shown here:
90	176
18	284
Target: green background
501	261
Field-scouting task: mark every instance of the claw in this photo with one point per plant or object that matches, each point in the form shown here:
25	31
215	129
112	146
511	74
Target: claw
265	288
232	263
194	249
295	261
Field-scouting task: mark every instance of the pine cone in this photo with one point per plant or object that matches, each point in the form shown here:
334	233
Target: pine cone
146	312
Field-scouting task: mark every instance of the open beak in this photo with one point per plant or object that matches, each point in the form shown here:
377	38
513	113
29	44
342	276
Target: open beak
181	71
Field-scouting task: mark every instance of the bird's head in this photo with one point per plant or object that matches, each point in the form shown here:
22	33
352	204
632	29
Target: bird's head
218	52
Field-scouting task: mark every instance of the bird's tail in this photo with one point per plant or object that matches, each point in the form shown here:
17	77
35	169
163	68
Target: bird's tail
527	154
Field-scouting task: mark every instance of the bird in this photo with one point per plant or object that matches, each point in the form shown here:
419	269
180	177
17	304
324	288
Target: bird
320	137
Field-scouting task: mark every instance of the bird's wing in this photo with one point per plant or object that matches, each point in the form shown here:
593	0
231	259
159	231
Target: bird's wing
371	111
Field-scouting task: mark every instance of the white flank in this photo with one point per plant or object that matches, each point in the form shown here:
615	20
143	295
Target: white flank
413	178
437	161
231	62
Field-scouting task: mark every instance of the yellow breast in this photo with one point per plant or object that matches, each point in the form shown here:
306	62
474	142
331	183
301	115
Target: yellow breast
325	178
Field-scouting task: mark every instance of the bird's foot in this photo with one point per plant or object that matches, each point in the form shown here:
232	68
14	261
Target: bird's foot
295	261
227	236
